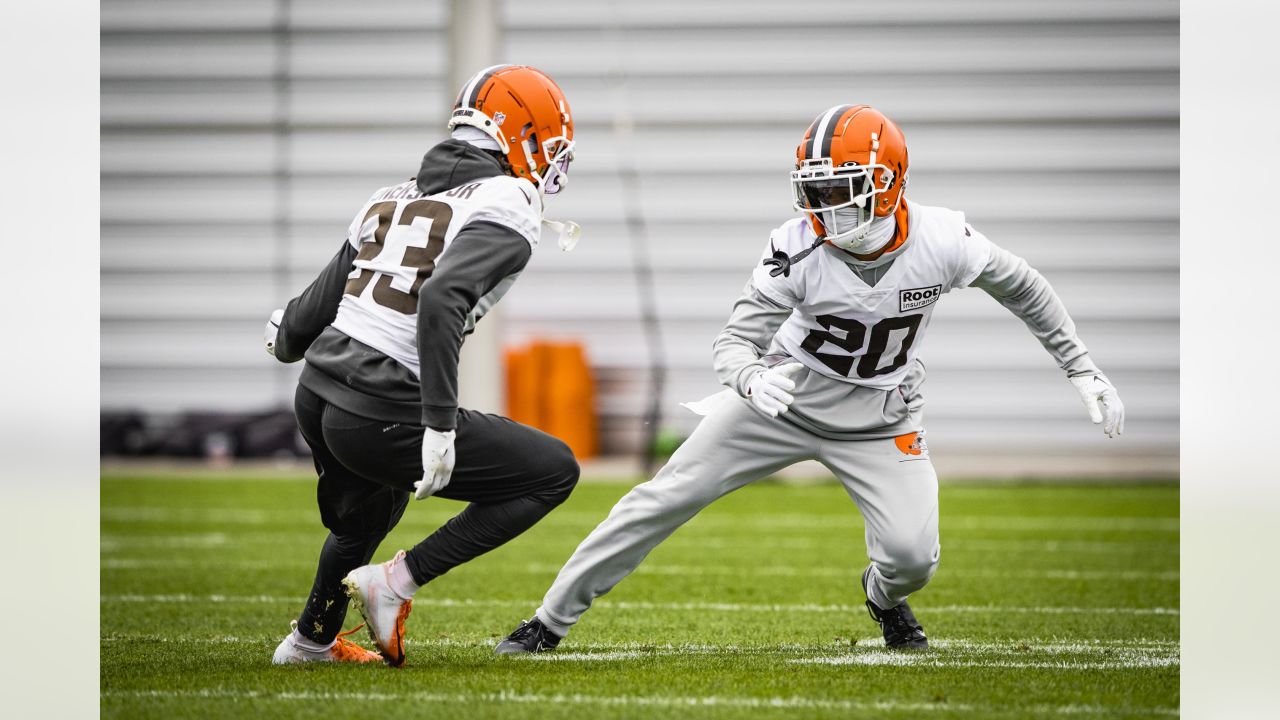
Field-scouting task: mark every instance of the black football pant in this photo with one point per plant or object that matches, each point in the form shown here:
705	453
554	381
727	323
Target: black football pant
511	474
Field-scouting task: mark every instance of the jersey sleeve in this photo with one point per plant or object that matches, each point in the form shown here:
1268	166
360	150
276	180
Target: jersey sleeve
307	315
479	259
972	255
1025	293
513	203
752	324
784	290
353	230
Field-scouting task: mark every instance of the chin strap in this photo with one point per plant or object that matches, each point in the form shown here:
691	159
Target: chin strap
781	262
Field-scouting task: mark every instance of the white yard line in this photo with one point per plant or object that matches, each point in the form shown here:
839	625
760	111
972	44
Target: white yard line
816	608
135	563
590	656
1023	647
1102	523
115	542
838	572
909	660
896	659
950	653
111	543
1013	545
693	606
727	701
254	516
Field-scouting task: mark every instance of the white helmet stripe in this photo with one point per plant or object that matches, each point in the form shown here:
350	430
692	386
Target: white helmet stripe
828	117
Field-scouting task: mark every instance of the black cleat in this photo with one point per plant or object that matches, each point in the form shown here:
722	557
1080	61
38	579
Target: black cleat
901	629
530	637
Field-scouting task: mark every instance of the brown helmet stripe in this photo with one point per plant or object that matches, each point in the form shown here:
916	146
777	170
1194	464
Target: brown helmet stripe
471	92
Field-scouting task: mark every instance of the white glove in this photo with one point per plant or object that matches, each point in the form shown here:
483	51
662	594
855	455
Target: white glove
1102	401
770	390
273	329
437	463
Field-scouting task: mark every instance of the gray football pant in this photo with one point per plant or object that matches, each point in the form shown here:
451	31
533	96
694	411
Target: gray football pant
896	491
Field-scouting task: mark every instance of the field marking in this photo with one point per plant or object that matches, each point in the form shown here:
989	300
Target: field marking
1085	523
728	701
895	659
1021	647
114	543
853	571
1015	546
591	656
252	516
118	542
949	653
629	605
1055	546
130	563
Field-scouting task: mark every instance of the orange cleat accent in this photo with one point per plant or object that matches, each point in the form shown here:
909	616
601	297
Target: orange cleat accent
396	646
383	610
345	650
341	650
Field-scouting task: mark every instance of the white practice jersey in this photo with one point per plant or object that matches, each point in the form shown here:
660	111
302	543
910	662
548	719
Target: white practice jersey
401	237
870	335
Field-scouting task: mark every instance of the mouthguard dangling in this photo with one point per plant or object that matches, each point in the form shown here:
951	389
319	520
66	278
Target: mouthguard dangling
781	262
569	233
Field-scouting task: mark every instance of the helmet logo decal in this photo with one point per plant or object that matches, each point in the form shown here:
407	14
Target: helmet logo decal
498	118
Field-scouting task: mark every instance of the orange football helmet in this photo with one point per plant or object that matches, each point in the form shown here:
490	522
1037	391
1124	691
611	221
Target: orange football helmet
852	158
526	113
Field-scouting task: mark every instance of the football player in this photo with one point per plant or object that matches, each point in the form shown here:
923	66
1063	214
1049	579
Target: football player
820	355
381	328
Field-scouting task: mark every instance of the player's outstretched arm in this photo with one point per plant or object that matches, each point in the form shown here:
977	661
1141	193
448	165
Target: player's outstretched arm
290	334
1024	291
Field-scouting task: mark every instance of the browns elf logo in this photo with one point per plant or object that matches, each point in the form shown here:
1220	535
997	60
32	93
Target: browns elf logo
911	444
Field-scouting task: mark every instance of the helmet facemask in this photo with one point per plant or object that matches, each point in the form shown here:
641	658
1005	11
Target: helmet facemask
843	199
552	174
558	154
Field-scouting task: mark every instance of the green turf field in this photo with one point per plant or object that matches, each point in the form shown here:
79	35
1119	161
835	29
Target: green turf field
1051	600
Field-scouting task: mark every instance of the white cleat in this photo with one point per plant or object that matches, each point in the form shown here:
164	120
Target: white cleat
288	652
384	611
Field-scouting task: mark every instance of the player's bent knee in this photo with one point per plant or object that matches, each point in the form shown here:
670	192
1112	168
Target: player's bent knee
919	566
563	473
911	563
920	569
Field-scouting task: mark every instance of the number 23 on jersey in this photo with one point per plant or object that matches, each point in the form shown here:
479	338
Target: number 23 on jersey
418	235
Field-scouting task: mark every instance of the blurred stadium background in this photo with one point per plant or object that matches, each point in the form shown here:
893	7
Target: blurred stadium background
239	137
